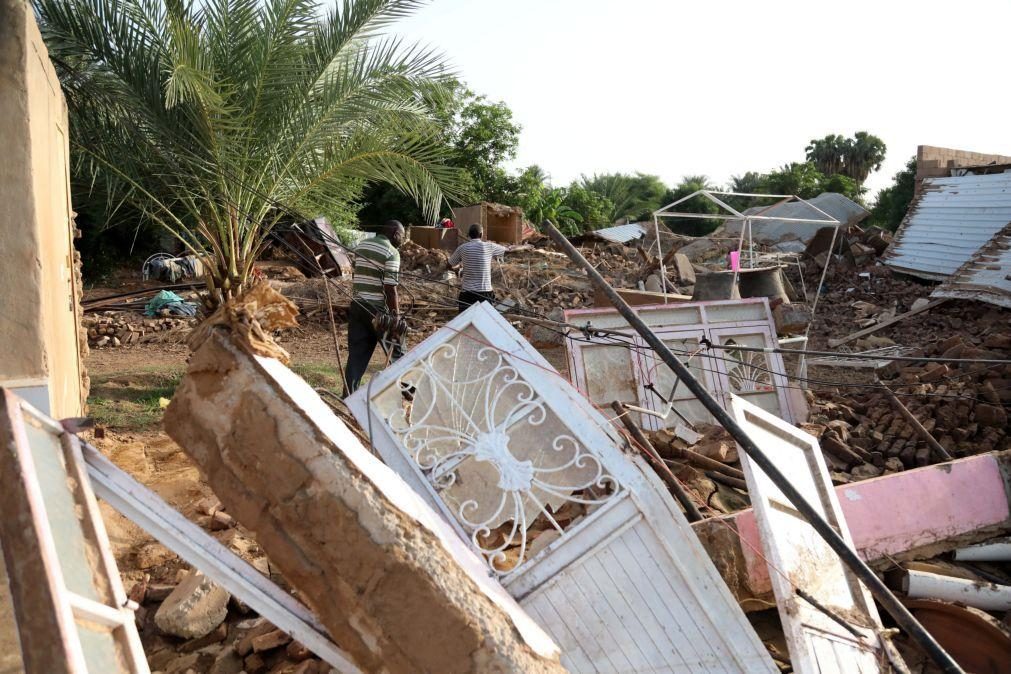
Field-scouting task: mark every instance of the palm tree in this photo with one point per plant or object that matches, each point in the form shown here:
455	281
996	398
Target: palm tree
864	154
218	118
827	154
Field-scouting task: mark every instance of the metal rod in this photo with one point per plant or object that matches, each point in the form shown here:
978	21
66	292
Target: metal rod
831	615
849	557
691	511
854	356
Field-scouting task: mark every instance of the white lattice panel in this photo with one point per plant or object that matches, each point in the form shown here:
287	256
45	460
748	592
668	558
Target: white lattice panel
531	475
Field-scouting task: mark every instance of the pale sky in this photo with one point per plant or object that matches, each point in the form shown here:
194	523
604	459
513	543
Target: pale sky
720	88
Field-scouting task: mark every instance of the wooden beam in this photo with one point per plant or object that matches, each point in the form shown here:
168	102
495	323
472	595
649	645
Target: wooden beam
884	324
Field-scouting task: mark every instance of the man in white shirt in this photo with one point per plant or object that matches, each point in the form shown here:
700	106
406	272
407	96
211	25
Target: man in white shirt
475	256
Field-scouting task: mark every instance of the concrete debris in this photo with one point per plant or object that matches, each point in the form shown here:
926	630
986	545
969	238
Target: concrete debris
389	579
194	609
931	510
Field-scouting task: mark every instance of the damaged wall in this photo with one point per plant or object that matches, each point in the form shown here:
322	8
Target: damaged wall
387	576
933	162
39	319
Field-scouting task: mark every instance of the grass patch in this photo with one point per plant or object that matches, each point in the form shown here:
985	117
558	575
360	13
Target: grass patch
131	401
320	376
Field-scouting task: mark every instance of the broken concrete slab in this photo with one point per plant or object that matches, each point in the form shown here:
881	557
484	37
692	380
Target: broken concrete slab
194	609
932	510
390	580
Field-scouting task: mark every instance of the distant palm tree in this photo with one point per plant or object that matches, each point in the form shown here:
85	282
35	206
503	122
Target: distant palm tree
213	117
855	157
827	154
864	155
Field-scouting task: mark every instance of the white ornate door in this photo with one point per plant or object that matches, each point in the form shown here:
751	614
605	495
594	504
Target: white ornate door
586	537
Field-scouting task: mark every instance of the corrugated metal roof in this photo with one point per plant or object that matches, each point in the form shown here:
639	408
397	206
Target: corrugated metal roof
986	276
769	232
621	233
950	220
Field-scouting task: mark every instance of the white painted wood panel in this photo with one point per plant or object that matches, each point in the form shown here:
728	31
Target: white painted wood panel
799	558
625	586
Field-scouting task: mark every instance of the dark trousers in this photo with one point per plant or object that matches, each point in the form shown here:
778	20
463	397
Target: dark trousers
362	341
469	297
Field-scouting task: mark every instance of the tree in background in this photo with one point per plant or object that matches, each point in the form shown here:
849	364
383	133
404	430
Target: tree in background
634	197
595	210
800	178
864	155
213	118
893	201
855	158
699	204
478	135
550	203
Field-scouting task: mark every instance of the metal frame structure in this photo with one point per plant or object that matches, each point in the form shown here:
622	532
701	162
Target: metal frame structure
734	214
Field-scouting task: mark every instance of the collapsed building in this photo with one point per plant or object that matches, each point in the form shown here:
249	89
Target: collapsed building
538	486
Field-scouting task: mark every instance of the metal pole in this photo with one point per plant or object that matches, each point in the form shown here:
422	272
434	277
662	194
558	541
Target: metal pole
889	601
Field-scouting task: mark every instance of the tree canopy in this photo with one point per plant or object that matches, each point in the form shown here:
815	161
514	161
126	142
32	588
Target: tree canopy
634	197
856	157
893	201
213	118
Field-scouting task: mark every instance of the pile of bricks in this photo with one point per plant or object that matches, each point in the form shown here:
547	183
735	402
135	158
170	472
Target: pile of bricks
117	328
963	405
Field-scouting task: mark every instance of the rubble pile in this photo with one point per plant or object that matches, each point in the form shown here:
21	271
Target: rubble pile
187	623
422	260
119	328
961	404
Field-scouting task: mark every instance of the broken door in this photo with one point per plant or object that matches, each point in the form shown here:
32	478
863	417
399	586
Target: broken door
531	476
799	559
597	367
69	602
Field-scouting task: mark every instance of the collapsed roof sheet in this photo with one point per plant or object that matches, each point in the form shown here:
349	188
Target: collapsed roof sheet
950	220
843	209
986	276
620	234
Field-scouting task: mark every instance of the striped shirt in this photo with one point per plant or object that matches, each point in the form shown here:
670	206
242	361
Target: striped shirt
476	256
377	263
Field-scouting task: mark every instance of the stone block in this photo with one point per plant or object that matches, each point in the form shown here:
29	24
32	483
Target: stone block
194	609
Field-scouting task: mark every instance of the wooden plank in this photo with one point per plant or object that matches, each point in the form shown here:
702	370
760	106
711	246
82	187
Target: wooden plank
800	559
884	324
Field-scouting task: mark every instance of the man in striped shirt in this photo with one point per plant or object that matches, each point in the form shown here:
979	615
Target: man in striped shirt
377	274
476	256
